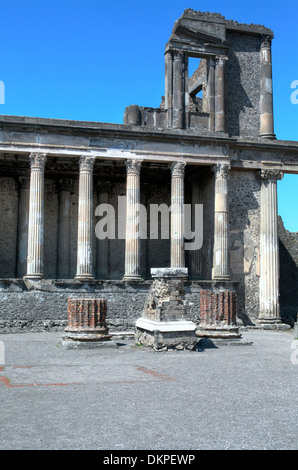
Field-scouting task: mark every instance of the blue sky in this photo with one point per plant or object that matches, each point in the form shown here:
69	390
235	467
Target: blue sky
88	60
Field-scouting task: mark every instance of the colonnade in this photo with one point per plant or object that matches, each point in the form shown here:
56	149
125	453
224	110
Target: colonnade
31	227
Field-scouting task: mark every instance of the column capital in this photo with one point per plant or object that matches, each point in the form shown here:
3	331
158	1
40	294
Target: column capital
86	162
266	42
271	174
222	170
133	166
38	160
212	60
178	169
178	55
220	60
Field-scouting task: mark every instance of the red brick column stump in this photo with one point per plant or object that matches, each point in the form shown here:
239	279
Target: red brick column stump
87	321
218	313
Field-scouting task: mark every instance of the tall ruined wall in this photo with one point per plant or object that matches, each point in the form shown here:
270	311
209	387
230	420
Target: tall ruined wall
288	246
243	85
244	200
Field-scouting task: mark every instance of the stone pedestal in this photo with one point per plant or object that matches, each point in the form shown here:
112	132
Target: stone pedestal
164	324
218	313
87	327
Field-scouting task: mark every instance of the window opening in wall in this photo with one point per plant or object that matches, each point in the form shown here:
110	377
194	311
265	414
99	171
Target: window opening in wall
197	84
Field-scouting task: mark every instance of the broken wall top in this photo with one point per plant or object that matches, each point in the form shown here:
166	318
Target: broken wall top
194	28
213	25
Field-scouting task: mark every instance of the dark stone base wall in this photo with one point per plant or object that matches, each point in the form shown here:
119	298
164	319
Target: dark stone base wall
42	306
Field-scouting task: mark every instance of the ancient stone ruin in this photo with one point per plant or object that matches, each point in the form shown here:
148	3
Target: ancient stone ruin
211	143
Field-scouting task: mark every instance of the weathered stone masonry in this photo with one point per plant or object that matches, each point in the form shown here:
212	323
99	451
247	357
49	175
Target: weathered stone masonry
217	149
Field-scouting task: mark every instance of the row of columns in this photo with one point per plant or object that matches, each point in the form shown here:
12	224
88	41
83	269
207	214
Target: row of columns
33	225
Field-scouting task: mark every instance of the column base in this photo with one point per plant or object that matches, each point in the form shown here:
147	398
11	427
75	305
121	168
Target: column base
271	324
87	326
87	342
221	278
268	136
214	343
269	321
131	277
218	332
34	277
84	277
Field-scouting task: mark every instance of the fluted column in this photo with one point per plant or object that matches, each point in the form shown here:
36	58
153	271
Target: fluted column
102	248
24	192
266	92
63	263
269	248
132	235
85	219
195	255
36	217
177	215
220	94
221	224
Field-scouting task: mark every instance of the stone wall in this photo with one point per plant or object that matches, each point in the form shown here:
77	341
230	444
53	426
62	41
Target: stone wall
42	306
243	85
244	200
288	246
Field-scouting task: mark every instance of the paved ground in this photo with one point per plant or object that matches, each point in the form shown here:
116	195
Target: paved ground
134	399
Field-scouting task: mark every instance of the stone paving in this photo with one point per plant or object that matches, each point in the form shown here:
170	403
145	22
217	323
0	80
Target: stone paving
131	398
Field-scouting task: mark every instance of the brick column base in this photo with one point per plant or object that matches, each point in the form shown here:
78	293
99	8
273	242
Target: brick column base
87	322
218	311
